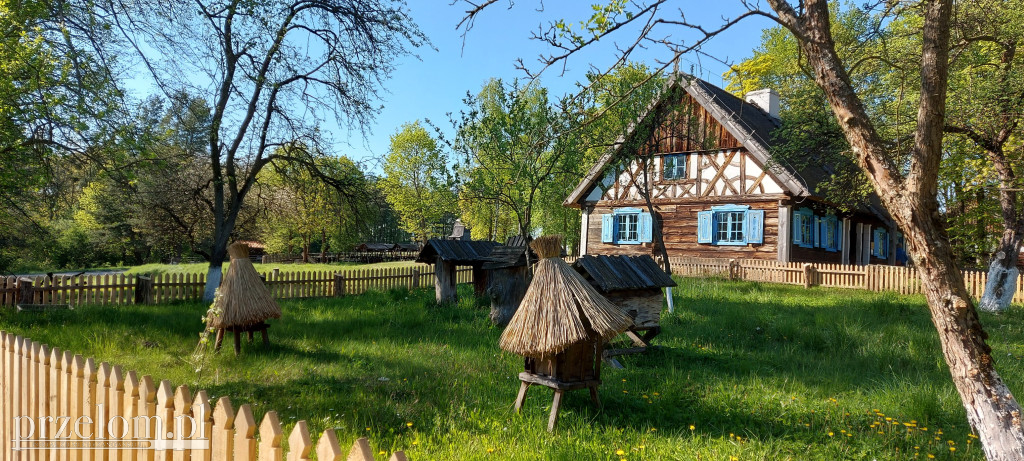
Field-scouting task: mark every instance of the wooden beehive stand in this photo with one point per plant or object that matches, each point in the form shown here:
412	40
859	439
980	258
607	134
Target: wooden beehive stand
560	328
578	367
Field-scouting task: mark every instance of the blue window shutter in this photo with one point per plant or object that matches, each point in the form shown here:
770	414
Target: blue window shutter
755	226
645	224
607	228
703	227
876	249
816	232
797	229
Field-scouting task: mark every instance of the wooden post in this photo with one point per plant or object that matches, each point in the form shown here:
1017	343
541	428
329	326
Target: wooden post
444	281
808	275
785	239
339	285
415	278
480	277
143	289
26	292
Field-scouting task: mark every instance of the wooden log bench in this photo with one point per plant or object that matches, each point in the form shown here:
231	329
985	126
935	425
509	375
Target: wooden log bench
237	330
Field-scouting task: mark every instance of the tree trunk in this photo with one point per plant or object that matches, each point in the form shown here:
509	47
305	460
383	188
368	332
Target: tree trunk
325	245
214	273
1002	270
991	409
507	288
1001	283
912	201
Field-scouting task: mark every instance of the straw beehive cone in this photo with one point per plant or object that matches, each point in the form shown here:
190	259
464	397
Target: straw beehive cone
244	299
560	308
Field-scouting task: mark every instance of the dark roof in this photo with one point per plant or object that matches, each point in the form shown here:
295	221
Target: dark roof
613	273
374	247
407	247
506	256
459	251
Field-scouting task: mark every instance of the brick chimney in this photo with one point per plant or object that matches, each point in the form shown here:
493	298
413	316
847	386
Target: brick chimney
767	99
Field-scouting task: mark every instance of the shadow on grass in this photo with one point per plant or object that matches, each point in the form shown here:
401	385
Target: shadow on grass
764	361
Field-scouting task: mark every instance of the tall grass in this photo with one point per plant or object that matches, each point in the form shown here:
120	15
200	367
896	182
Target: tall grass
755	371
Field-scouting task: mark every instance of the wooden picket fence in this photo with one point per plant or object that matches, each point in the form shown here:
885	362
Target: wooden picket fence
904	280
38	381
120	289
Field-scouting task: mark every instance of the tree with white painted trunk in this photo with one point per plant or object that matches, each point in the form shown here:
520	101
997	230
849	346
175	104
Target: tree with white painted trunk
905	181
272	72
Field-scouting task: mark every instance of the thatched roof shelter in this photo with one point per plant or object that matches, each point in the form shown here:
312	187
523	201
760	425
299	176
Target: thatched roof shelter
560	308
243	299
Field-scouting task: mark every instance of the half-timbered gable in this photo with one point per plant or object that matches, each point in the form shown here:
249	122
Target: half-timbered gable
703	156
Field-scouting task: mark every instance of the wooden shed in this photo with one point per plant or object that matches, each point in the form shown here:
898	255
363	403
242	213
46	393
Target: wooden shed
446	255
634	283
374	247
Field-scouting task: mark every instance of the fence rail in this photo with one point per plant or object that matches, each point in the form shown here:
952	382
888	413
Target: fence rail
121	289
39	382
904	280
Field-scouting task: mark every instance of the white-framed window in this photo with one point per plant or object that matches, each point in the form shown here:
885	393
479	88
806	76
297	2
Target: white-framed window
628	227
729	226
674	166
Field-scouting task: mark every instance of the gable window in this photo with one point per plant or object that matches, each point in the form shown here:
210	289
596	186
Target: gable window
730	225
880	243
674	166
803	228
626	226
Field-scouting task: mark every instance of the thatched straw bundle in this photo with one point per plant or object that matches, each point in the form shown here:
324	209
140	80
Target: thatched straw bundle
560	308
244	299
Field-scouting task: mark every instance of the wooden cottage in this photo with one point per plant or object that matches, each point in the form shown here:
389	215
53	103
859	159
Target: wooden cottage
447	255
713	191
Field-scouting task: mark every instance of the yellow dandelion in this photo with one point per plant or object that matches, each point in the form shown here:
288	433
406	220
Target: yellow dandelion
367	428
654	429
952	448
625	391
382	453
620	452
656	394
830	434
408	424
691	427
490	450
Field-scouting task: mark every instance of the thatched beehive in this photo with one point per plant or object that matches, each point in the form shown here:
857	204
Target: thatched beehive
244	299
560	309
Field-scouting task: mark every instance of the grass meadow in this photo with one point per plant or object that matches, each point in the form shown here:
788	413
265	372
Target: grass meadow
745	371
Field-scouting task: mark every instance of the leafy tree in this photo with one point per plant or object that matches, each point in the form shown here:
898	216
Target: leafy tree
416	181
270	71
508	141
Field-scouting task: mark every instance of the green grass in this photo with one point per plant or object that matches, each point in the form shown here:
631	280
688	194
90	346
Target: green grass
201	268
760	371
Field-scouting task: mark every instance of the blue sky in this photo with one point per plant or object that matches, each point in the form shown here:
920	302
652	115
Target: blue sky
435	84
